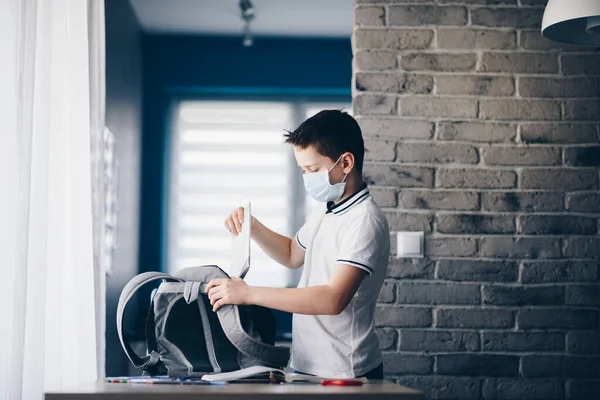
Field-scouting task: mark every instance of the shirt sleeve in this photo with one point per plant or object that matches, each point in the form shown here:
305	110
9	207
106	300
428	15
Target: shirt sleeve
363	242
307	232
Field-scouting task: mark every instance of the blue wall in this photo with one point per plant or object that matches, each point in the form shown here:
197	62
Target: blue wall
188	66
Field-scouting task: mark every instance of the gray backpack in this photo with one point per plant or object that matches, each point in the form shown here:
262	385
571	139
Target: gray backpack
184	337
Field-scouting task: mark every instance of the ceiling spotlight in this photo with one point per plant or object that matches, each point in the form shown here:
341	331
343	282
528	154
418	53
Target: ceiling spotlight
247	16
247	9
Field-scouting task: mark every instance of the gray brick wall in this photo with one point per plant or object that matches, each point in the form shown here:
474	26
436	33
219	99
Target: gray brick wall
486	136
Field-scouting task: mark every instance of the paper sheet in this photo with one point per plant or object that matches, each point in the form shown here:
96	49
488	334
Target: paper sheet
240	251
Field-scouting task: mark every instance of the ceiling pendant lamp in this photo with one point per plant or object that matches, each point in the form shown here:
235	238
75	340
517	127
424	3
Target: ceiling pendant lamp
572	21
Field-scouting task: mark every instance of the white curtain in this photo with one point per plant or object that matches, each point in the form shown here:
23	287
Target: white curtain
50	334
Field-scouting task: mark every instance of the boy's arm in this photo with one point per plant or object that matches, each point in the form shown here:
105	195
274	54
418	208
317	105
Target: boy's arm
329	299
280	248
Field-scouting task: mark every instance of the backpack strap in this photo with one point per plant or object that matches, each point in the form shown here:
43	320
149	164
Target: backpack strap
275	356
128	291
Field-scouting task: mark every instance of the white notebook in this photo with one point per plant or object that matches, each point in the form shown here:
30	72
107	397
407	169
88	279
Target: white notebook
240	251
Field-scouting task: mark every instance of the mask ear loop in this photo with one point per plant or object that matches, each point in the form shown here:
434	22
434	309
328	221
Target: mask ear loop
335	165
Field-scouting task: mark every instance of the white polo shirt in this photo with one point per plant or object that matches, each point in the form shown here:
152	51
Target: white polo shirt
353	232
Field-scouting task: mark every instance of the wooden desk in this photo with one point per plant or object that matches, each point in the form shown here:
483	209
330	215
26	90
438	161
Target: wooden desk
380	390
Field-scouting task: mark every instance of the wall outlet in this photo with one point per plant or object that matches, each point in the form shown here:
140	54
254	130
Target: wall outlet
410	244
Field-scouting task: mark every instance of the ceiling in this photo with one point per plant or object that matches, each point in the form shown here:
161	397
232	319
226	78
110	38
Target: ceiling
309	18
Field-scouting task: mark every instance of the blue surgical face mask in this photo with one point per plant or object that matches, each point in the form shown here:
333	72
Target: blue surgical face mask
318	186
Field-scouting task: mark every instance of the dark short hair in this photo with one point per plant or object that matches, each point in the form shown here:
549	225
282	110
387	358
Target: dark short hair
332	132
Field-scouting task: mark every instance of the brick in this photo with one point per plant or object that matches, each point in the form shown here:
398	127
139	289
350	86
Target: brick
411	268
540	3
581	247
439	153
402	221
583	156
558	87
398	175
479	132
583	295
522	247
419	15
380	150
398	363
384	197
475	318
369	60
477	365
438	293
519	109
522	201
537	63
519	389
584	343
475	223
557	318
438	107
403	317
473	38
475	85
540	366
505	295
521	156
533	40
450	247
396	128
476	178
477	270
393	39
581	367
564	179
581	389
438	341
588	64
497	341
439	200
393	83
370	16
388	338
480	2
392	1
560	271
507	17
444	387
387	294
583	202
558	133
374	104
438	62
583	110
557	225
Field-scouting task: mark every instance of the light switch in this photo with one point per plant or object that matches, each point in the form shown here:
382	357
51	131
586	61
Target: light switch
410	244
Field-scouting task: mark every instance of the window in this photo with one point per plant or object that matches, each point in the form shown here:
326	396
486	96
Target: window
225	153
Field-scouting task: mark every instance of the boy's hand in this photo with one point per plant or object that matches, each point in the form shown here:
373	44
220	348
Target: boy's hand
234	221
227	291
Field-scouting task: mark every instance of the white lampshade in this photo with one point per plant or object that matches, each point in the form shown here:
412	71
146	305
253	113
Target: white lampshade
572	21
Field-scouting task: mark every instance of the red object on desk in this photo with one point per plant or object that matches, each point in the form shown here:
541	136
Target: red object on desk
341	382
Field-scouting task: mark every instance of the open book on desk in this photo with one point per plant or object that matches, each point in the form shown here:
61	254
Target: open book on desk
264	374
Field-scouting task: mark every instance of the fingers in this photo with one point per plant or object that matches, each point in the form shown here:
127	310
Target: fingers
213	283
233	222
230	226
218	305
240	215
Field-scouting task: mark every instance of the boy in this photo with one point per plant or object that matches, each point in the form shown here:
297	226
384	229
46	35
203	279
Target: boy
344	247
